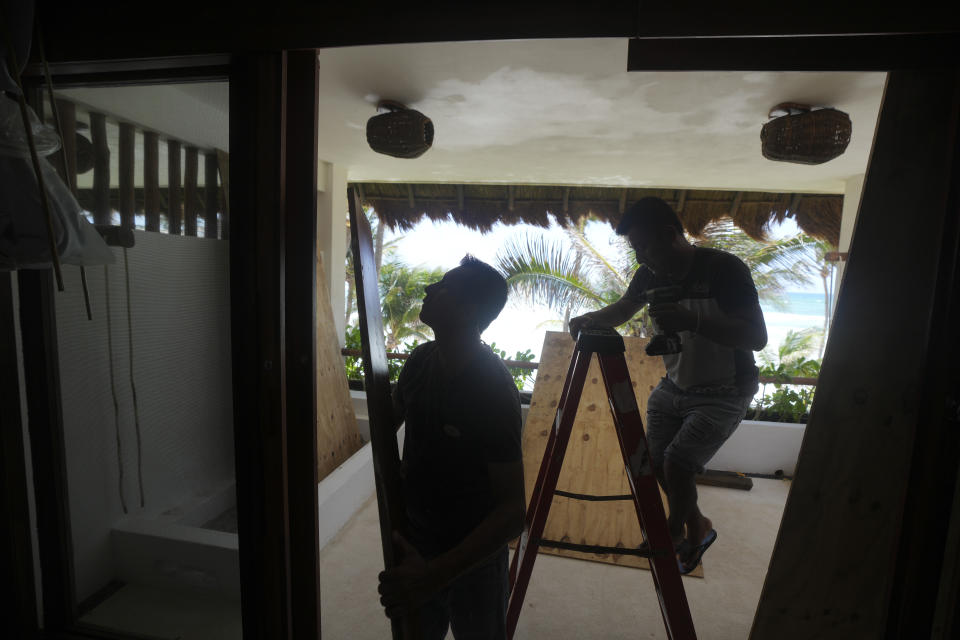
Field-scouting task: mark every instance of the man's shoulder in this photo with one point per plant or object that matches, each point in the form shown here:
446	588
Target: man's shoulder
494	380
710	254
495	370
643	279
717	261
422	351
417	358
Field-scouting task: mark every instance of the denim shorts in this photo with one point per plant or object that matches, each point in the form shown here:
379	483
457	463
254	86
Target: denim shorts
474	605
689	428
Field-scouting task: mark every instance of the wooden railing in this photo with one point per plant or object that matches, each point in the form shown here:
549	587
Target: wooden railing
181	201
534	365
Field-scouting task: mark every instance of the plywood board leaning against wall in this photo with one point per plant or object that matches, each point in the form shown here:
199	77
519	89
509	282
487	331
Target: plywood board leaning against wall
593	464
337	435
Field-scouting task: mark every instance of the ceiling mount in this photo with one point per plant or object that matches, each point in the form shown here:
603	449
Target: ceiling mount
398	131
390	106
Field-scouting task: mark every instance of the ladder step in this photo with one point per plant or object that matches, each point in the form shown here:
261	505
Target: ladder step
628	424
584	496
592	548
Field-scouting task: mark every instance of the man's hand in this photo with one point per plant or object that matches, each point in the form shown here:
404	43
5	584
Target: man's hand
671	317
578	324
409	584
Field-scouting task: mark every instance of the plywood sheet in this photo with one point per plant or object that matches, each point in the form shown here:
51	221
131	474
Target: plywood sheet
337	435
593	463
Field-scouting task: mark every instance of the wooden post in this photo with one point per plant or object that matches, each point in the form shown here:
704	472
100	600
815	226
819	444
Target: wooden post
102	213
211	192
127	202
41	374
862	538
383	439
302	106
257	302
223	163
18	605
794	203
190	195
174	196
68	125
735	207
151	181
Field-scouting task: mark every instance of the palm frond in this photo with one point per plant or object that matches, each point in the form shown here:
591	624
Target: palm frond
546	273
797	345
775	265
598	261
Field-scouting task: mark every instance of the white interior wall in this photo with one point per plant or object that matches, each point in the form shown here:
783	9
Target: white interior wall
332	236
195	113
180	311
851	205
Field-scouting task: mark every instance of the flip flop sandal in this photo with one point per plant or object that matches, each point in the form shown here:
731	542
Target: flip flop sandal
644	548
698	551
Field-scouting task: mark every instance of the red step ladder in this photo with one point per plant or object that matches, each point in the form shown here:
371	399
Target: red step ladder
609	347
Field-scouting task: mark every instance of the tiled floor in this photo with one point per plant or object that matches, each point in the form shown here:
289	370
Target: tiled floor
168	615
566	599
585	600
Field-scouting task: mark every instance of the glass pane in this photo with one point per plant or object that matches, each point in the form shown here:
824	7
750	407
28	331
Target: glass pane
146	387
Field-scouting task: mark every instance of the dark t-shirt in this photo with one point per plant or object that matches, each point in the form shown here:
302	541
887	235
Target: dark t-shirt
717	281
454	428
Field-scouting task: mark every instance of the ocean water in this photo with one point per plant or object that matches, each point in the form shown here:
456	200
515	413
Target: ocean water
799	304
803	310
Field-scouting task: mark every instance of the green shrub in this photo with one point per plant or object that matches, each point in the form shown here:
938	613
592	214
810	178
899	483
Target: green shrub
520	376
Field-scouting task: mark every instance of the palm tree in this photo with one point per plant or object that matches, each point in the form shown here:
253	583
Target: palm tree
570	277
401	297
380	248
790	360
792	357
828	277
774	265
575	276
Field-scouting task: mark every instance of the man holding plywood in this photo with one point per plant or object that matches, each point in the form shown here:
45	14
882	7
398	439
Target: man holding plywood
705	306
462	465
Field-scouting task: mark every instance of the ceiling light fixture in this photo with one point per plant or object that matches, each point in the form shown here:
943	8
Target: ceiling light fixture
804	134
400	132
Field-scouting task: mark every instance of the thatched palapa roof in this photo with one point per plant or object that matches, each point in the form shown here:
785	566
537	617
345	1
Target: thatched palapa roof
480	206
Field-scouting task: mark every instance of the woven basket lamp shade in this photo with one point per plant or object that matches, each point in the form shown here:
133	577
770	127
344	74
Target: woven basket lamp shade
401	133
807	137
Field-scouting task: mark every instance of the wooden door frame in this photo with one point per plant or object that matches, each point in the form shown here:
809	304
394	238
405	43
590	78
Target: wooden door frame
268	330
276	475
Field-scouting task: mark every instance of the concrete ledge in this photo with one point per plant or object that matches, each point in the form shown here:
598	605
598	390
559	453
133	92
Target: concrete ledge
172	555
756	446
341	494
761	447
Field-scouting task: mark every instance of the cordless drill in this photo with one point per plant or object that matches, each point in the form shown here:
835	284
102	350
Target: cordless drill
664	343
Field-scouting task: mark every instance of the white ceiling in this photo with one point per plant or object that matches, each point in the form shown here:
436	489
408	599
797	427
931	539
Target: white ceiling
568	112
542	112
195	113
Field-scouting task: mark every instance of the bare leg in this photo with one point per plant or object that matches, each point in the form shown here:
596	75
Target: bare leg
658	471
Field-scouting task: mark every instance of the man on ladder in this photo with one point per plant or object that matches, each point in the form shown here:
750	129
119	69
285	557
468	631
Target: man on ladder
705	306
